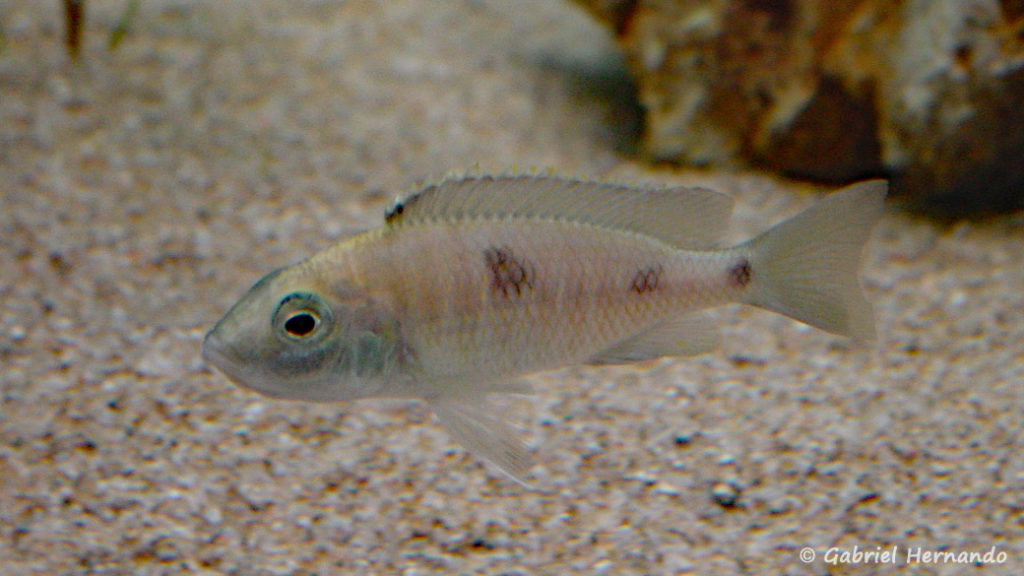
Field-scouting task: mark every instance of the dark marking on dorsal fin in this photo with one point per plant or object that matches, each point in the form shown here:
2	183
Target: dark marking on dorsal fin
394	211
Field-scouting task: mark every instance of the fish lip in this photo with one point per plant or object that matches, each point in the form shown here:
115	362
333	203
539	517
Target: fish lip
216	354
211	350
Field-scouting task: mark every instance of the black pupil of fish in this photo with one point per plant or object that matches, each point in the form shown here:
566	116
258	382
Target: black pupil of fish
300	324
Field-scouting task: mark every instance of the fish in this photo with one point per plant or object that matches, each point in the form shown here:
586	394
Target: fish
475	282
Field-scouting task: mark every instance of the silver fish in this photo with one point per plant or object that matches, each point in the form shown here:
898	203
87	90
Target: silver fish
476	281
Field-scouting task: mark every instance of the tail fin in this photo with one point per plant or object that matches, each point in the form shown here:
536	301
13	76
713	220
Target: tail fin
806	267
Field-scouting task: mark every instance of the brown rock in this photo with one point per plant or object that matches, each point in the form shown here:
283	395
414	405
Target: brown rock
928	92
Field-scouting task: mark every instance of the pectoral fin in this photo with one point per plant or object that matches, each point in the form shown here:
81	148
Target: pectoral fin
475	422
687	335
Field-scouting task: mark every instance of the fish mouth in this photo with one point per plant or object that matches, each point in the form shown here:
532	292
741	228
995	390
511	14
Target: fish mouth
216	354
219	355
211	350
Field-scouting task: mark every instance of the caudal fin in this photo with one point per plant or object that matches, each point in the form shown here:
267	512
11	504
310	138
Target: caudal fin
806	267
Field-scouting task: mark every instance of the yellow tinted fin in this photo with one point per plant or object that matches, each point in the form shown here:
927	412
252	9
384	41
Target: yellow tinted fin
692	218
687	335
476	423
806	267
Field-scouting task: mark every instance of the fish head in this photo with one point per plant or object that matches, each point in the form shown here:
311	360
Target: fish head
297	337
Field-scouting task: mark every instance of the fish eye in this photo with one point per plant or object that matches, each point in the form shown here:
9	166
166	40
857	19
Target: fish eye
302	323
301	316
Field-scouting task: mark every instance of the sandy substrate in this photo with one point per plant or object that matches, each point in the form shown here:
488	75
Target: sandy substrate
145	189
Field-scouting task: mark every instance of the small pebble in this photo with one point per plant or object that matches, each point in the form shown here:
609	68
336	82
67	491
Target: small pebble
725	494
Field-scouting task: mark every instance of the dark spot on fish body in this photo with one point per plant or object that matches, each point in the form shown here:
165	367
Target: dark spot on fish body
510	275
647	279
739	273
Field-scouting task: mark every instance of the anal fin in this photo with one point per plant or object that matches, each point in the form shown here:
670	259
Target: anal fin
687	335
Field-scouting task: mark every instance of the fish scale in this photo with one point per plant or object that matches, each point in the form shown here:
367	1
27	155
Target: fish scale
466	305
475	282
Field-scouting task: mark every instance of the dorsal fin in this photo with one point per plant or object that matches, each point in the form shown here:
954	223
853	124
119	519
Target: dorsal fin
693	218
